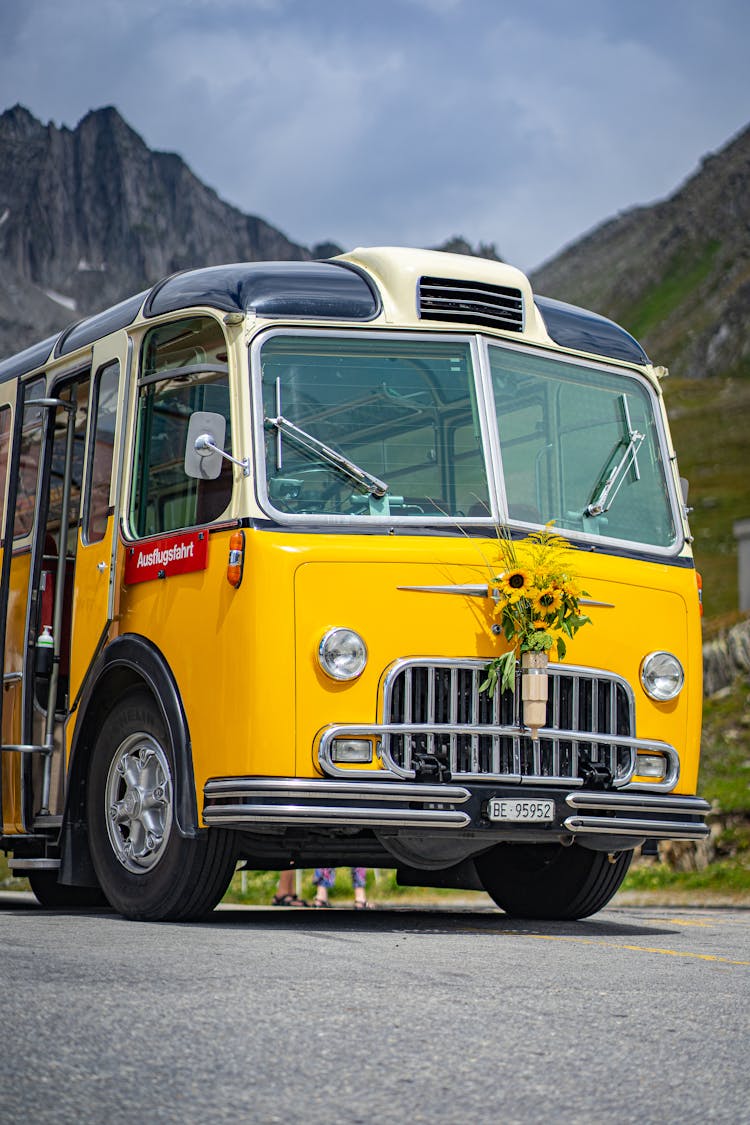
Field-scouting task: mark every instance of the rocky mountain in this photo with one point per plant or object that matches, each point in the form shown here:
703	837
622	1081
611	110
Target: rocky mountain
458	245
90	215
676	273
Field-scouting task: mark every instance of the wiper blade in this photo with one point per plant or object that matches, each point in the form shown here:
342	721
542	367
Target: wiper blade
614	472
365	481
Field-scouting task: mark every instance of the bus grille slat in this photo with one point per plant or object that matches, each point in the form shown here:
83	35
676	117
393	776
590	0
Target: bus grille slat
424	693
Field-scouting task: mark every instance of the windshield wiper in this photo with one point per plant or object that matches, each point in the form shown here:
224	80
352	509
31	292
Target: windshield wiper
614	472
365	481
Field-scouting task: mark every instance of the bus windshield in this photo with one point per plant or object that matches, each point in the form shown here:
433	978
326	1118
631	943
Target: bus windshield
580	446
359	426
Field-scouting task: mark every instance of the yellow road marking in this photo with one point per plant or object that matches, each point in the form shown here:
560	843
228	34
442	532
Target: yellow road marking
684	922
633	948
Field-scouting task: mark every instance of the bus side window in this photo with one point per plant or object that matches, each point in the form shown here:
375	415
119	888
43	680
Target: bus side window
4	451
184	370
31	454
96	512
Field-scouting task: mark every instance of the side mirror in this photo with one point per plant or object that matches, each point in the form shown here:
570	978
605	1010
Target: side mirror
204	449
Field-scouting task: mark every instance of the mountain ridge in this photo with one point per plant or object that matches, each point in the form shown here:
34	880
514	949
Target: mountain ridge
675	273
91	215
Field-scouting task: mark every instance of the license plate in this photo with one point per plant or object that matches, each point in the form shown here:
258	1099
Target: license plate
521	809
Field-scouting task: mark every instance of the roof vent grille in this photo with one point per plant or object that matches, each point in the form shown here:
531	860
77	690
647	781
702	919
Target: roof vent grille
470	302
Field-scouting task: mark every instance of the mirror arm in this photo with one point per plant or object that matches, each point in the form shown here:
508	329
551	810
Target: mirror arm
204	443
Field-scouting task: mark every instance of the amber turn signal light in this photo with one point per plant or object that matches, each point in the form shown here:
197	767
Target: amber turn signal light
236	563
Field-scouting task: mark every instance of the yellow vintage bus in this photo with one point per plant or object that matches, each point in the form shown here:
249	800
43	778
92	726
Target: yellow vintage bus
250	521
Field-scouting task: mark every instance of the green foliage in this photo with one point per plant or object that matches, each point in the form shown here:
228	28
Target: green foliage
710	422
502	671
684	274
725	749
724	877
8	881
537	601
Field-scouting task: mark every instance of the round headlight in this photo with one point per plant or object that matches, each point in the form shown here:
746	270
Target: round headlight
662	676
342	654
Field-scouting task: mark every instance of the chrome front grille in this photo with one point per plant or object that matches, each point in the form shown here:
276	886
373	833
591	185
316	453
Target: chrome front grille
470	302
446	716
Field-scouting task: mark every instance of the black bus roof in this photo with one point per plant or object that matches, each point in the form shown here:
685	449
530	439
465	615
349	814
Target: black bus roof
319	290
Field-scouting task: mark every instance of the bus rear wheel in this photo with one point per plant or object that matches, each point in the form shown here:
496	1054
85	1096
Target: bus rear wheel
551	881
56	896
146	868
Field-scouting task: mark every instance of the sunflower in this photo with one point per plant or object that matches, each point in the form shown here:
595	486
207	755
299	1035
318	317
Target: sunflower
571	590
546	601
536	603
515	584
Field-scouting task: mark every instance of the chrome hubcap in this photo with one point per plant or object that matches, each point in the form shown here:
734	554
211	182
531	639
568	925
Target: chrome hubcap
139	803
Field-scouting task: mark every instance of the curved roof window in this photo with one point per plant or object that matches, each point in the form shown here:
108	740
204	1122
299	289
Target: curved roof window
311	290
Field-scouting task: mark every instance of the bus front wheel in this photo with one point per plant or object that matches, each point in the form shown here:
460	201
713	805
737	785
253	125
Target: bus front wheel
551	881
147	870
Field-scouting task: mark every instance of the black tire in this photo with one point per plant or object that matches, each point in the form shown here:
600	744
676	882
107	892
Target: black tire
549	880
56	896
147	870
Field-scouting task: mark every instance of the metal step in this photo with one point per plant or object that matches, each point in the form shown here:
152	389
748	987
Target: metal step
26	748
34	864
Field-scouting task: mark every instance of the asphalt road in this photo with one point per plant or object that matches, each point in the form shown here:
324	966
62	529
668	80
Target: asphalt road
398	1015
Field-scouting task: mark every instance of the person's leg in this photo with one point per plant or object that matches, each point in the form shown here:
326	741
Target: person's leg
323	878
359	876
286	891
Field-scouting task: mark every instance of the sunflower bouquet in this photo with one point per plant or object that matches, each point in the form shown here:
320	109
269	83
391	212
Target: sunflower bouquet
537	603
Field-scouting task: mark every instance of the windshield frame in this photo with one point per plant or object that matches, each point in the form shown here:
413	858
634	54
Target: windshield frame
623	372
368	520
479	349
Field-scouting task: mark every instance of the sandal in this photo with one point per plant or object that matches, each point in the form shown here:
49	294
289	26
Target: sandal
288	900
363	905
321	904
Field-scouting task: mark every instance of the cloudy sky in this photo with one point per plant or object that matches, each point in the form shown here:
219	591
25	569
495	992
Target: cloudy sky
402	121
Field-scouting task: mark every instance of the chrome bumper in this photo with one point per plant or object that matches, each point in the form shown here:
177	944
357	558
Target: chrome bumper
240	802
636	814
246	802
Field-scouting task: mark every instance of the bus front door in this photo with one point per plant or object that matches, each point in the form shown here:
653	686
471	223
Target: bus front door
60	582
97	578
43	502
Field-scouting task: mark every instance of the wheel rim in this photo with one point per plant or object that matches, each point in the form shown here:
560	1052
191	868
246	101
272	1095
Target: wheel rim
139	803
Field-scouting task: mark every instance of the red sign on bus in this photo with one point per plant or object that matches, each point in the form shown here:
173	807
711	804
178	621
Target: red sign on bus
164	557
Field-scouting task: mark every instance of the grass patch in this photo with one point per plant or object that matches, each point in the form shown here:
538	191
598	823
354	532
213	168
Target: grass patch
725	749
710	421
726	876
685	273
8	881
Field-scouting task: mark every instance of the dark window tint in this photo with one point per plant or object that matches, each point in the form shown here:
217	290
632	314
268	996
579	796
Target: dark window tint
4	451
102	452
28	469
184	370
